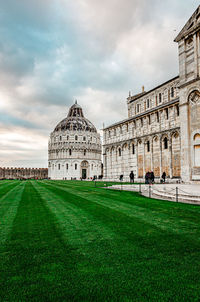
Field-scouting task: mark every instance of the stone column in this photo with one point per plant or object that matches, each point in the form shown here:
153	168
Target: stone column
160	156
151	148
136	154
144	158
170	156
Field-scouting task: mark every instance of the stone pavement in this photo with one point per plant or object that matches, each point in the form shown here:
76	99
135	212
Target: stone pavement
188	193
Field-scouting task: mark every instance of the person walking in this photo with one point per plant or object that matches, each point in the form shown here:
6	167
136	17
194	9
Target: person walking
164	176
131	177
152	177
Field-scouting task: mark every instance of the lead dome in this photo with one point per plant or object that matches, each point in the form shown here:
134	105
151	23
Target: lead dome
74	147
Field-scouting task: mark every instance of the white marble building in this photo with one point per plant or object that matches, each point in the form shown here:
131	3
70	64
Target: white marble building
162	131
74	148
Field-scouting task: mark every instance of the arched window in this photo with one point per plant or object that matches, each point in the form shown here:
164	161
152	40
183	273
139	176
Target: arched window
120	152
157	116
148	146
177	110
76	137
133	149
84	138
167	113
70	151
67	137
58	166
60	137
165	143
84	152
160	97
75	166
172	92
92	166
67	166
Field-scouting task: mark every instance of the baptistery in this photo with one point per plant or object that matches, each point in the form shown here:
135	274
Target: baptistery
74	150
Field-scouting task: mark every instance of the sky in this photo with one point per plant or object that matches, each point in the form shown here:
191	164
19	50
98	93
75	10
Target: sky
53	52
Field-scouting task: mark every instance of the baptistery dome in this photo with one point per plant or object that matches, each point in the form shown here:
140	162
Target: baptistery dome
74	148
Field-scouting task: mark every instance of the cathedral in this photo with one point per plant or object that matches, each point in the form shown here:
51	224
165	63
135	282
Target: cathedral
162	131
74	148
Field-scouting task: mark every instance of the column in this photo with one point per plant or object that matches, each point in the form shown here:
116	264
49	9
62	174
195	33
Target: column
160	156
170	156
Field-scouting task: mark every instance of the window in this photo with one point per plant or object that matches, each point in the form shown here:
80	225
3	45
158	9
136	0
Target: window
165	143
109	134
160	97
133	149
177	110
84	152
58	166
114	131
92	166
67	137
67	166
148	146
70	151
167	113
120	152
75	166
148	103
149	119
60	138
141	122
84	138
157	117
127	127
172	92
76	137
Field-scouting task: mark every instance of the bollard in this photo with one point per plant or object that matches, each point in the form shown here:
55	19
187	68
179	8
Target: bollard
149	191
176	194
140	189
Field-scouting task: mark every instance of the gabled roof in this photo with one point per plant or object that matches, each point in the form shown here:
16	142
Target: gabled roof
192	24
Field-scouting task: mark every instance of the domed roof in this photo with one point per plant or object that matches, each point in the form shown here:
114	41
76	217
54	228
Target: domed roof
75	121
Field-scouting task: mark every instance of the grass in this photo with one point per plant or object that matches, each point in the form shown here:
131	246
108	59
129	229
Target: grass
71	241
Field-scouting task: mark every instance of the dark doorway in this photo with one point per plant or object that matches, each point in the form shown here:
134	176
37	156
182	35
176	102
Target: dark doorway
84	173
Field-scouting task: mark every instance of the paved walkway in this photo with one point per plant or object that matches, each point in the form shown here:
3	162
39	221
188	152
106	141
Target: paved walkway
188	193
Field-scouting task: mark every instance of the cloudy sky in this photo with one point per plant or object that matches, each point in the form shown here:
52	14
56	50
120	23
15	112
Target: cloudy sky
55	51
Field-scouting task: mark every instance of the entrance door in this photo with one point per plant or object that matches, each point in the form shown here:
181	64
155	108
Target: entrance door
84	173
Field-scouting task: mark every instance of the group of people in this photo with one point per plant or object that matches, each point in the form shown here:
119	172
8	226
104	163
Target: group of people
149	177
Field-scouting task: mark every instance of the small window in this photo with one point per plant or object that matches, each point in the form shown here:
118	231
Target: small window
172	92
141	122
67	166
138	108
120	152
70	151
167	113
160	97
148	103
84	152
148	146
75	166
58	166
165	143
84	138
157	117
177	110
109	134
133	149
114	131
149	119
76	137
127	127
92	166
67	137
60	138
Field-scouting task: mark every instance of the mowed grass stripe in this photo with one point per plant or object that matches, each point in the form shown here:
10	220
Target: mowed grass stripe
8	208
73	219
140	247
37	265
180	221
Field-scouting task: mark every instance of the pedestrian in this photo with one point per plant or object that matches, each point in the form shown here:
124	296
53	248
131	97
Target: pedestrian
164	176
152	177
146	178
121	177
131	177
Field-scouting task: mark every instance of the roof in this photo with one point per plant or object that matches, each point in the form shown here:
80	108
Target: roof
192	25
137	96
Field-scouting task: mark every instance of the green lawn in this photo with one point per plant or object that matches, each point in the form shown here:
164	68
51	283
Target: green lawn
70	241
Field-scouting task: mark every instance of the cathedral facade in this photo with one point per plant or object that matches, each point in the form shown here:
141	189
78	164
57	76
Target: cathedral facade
74	148
162	131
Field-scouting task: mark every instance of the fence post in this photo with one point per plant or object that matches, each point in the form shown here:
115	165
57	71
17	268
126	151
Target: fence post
140	189
176	194
149	191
